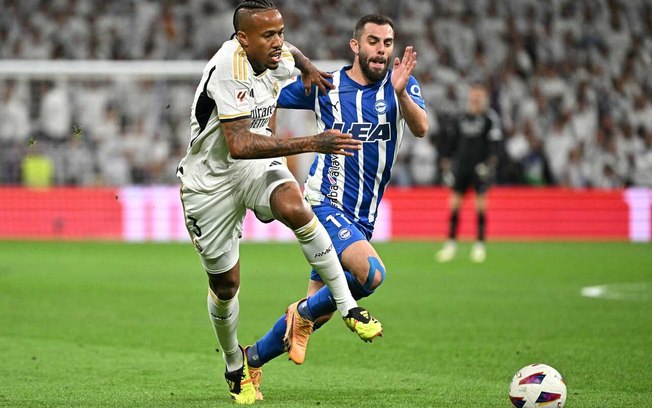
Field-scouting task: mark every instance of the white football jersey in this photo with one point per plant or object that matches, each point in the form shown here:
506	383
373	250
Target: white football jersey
229	90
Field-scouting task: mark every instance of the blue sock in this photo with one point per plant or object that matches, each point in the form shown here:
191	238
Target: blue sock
269	346
322	303
304	311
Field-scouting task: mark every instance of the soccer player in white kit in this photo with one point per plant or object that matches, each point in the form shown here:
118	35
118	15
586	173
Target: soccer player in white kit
233	163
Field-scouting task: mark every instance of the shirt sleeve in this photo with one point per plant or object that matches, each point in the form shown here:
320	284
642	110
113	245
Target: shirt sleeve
293	96
229	86
414	90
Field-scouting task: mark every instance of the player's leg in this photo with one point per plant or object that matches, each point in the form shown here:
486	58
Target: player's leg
359	260
368	272
224	311
319	306
448	251
275	194
289	207
478	251
214	226
321	255
316	310
314	285
364	271
272	344
279	197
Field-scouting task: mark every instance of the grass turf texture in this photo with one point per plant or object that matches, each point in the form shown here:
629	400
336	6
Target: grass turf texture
103	324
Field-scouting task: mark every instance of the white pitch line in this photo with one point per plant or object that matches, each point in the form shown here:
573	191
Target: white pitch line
620	291
593	291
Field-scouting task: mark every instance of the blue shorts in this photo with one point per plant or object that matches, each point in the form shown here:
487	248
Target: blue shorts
341	229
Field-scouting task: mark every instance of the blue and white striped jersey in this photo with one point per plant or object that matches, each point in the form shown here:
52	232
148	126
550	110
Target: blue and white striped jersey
370	113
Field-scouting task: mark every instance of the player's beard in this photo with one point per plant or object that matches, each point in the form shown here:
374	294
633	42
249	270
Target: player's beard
372	75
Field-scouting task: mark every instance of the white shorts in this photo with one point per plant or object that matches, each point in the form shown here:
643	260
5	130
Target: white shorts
214	220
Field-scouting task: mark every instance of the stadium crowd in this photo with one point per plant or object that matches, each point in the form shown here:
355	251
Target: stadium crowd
570	80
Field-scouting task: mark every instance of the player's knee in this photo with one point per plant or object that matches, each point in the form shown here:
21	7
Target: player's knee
365	285
289	207
376	274
223	287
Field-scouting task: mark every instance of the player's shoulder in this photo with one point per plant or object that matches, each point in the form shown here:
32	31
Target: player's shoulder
230	62
286	54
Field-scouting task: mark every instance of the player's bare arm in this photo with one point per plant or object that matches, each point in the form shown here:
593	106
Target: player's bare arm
309	72
244	144
414	116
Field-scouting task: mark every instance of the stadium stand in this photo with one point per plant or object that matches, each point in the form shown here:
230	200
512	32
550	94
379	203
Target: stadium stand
571	81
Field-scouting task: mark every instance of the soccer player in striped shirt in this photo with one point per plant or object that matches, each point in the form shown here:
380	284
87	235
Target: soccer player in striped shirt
232	164
372	100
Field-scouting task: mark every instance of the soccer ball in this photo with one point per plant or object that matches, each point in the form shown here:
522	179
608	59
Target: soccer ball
537	385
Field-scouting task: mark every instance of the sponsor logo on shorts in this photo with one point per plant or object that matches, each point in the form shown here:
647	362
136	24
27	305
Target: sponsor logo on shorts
344	234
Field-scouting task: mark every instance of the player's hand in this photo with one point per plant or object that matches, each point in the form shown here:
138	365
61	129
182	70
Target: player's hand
311	75
333	141
484	171
448	178
403	68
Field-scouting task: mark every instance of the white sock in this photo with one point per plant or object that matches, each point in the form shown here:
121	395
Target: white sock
320	253
224	316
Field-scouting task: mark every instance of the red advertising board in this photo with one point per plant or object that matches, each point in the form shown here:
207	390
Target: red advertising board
514	213
154	213
60	213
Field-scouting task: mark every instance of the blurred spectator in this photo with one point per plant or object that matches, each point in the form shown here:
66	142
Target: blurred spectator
584	120
137	150
37	169
79	162
90	101
535	165
643	163
641	113
112	162
423	159
557	146
55	116
577	173
14	115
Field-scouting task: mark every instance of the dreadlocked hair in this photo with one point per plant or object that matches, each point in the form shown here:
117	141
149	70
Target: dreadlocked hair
251	5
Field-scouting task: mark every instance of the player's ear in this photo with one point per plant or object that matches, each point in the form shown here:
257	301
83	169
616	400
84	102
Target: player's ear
242	39
355	47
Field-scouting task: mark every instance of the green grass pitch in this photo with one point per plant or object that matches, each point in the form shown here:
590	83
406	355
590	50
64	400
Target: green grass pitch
125	325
